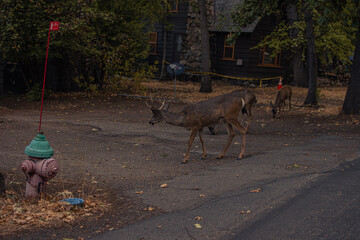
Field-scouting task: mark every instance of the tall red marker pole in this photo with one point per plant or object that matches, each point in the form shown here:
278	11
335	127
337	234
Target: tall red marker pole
54	26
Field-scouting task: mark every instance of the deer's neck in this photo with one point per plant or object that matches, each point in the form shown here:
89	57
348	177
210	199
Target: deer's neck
278	99
173	118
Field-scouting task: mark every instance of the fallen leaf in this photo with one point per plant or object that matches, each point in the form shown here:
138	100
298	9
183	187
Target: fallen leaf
256	190
296	165
197	225
164	185
202	195
139	192
150	209
198	218
243	212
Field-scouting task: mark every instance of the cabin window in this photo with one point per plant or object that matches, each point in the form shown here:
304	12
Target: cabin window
173	5
153	42
229	48
266	57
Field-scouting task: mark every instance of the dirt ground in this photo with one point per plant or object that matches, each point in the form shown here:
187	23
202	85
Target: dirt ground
107	149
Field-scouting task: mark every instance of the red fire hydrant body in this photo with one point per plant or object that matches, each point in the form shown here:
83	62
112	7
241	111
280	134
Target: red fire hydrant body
40	167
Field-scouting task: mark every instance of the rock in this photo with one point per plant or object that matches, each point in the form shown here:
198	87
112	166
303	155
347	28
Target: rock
246	84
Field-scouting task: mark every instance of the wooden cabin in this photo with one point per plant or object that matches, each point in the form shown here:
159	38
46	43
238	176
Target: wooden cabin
236	59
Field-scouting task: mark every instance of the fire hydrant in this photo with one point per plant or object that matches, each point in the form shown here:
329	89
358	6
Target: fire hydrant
40	167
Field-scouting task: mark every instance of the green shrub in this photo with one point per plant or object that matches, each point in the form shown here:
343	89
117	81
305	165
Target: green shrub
35	93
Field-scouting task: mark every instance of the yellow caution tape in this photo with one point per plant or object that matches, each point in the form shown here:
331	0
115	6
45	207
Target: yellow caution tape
225	76
240	78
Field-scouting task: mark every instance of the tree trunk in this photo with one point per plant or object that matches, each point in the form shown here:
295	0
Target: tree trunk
205	48
164	53
300	76
352	99
297	65
311	57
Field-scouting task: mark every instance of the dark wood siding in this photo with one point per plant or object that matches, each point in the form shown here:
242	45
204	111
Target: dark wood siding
178	20
249	67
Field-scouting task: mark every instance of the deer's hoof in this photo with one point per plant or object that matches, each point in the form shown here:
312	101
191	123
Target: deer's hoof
240	157
204	156
219	157
184	162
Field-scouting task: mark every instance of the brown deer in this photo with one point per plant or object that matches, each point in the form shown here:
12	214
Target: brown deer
250	100
284	93
223	108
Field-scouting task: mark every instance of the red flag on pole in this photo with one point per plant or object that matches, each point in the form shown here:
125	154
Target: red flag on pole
54	26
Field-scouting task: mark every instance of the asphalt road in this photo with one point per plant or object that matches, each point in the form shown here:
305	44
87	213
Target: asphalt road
319	204
328	209
290	162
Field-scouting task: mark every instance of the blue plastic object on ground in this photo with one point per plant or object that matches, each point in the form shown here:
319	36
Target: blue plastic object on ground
74	201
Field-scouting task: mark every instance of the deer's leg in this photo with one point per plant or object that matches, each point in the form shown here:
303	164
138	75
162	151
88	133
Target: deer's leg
212	130
250	116
243	132
191	140
290	103
202	143
231	135
281	106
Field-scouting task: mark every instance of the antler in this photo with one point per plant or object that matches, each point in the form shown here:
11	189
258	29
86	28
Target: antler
163	104
148	104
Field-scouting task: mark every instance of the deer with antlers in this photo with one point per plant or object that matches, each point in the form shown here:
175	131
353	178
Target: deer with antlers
224	108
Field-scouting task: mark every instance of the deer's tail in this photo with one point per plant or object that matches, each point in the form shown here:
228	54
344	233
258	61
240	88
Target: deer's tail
243	108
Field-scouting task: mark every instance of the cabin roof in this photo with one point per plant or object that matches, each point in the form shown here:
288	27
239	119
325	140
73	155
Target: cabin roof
223	22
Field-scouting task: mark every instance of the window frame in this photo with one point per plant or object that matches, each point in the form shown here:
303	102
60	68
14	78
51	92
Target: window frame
176	2
226	46
276	61
154	43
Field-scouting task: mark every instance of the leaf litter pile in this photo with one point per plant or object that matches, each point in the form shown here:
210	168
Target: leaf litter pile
17	213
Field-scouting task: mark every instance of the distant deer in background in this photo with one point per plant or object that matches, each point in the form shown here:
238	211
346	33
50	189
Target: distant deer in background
284	93
223	108
250	100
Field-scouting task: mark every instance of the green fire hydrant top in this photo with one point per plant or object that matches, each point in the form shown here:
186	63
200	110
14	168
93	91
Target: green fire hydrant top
39	147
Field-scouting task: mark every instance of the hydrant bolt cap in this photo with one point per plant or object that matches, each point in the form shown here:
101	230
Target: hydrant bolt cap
39	147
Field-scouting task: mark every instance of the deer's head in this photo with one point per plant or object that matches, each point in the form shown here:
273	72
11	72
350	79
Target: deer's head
273	109
157	112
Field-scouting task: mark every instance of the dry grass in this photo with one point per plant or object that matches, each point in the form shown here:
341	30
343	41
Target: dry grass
330	101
